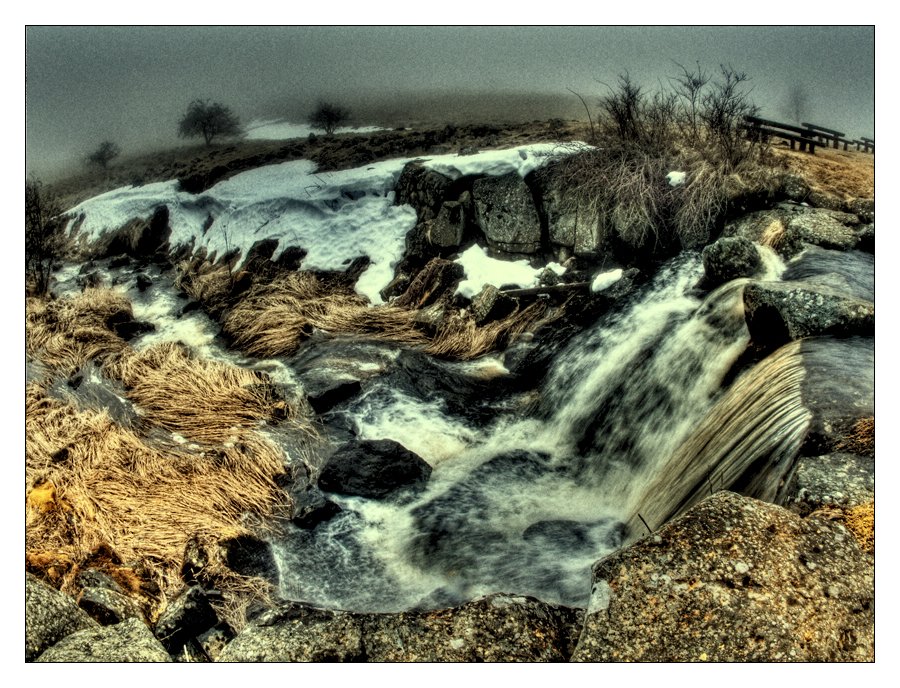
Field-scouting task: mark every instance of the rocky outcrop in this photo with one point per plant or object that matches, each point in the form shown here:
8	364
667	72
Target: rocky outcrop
377	469
506	213
734	579
144	240
423	189
495	628
129	641
50	616
778	311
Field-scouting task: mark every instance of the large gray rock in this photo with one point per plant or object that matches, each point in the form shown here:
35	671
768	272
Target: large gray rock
569	224
129	641
797	226
778	311
734	579
836	478
50	616
495	628
505	211
825	228
187	617
864	209
449	227
729	258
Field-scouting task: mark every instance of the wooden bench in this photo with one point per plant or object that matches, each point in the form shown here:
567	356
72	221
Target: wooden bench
837	137
866	144
756	128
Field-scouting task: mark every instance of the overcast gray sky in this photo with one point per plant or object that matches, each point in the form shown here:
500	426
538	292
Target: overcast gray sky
132	84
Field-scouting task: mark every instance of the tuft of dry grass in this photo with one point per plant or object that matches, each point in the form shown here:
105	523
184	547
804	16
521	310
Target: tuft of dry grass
91	483
66	333
460	338
276	318
772	235
861	439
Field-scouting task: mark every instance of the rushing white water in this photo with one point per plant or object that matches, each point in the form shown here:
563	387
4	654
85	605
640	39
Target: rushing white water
624	430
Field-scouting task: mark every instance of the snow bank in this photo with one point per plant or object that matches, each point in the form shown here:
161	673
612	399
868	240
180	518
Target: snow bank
481	269
335	216
279	130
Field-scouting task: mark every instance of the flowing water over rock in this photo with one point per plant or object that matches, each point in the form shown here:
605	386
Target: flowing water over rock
630	426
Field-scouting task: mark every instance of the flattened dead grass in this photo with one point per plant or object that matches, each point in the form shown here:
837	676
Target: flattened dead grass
276	318
861	439
66	333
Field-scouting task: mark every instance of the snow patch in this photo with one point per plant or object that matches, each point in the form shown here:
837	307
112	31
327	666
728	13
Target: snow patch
481	270
605	280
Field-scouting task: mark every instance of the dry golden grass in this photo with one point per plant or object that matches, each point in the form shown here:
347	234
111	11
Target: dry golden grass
65	333
845	174
861	439
276	318
773	235
91	484
861	522
460	338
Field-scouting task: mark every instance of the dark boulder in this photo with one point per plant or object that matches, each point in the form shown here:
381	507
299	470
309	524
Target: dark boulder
730	258
491	304
184	619
423	189
310	507
734	580
505	212
376	469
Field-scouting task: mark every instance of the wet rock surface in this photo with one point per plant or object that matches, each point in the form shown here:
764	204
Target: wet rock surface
734	579
836	478
730	258
376	469
495	628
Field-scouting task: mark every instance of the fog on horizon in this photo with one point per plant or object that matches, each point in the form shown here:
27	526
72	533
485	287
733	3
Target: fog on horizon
131	85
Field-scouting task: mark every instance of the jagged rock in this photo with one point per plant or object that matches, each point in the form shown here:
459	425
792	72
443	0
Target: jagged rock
819	199
506	213
423	189
729	258
377	469
495	628
491	304
143	281
864	209
309	507
779	311
50	616
734	579
431	283
187	617
835	478
795	188
449	227
128	641
104	600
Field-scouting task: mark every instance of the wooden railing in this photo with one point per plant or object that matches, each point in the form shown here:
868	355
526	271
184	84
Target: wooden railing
807	134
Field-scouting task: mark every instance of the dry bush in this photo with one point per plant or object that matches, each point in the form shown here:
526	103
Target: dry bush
66	333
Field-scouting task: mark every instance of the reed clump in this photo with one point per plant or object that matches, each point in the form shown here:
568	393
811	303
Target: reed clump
275	319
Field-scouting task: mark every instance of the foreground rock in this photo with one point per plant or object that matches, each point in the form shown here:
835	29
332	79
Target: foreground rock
734	579
129	641
50	616
494	628
377	469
